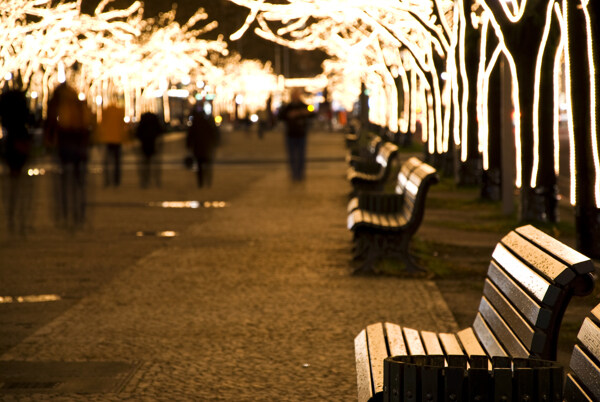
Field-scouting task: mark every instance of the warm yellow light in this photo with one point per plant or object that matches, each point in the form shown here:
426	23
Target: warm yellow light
310	108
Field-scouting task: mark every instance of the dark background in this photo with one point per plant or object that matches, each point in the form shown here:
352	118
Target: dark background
291	63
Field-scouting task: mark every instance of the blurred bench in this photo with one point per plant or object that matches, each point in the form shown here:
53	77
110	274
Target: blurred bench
372	174
384	223
364	153
530	281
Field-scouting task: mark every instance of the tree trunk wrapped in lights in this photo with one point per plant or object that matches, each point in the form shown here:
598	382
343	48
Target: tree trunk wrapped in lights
581	50
528	38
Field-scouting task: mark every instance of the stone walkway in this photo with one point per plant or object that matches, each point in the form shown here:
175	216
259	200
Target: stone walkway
253	302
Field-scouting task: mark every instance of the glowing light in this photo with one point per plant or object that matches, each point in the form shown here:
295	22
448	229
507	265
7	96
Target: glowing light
253	117
99	100
310	108
8	76
81	96
218	119
34	95
178	93
29	299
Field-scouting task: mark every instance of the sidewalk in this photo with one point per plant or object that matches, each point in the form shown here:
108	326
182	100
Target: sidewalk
254	301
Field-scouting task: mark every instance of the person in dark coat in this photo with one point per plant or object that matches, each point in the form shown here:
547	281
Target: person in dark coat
148	132
296	115
16	117
68	131
203	140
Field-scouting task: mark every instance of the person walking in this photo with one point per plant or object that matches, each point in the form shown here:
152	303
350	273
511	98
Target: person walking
296	115
202	140
148	132
16	117
68	130
112	131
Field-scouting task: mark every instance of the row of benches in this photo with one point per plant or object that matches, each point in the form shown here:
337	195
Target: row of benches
383	222
530	281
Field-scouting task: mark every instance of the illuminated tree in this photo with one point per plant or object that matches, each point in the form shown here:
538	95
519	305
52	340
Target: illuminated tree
528	34
582	58
369	37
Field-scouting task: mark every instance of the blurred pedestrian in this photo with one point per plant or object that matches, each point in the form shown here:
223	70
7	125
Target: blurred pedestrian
16	118
112	131
296	115
148	131
67	132
203	138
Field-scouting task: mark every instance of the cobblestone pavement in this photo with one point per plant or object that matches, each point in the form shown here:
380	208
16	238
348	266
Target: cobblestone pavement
251	302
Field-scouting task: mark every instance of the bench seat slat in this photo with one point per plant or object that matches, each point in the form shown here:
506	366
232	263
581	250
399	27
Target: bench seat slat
352	204
487	338
536	285
561	251
455	356
413	342
503	333
395	340
587	371
377	354
473	349
552	269
513	319
434	350
363	367
537	315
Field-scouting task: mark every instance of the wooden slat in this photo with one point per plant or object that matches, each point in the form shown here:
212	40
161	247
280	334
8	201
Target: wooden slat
552	269
531	309
383	220
395	340
535	339
595	314
534	283
487	338
586	371
589	336
393	220
502	331
435	353
575	259
573	391
363	367
354	218
413	342
377	354
454	353
473	349
352	204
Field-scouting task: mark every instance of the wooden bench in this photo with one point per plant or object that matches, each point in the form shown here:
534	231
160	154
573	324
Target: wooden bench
583	380
383	224
366	153
530	281
371	175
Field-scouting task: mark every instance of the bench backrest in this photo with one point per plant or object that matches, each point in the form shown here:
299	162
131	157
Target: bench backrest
530	281
583	382
414	180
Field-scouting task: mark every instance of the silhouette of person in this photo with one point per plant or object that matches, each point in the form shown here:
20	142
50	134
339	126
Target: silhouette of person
296	116
203	139
68	131
16	117
112	131
148	131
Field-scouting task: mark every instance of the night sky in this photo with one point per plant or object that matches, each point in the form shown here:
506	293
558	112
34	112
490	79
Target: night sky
230	17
